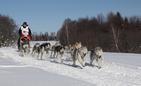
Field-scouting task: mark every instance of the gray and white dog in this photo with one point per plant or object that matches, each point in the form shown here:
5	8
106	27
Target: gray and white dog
40	49
79	54
96	55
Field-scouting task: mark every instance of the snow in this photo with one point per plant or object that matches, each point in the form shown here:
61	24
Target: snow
29	76
125	58
14	73
119	69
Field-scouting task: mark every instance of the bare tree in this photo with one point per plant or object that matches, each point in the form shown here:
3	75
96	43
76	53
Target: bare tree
116	37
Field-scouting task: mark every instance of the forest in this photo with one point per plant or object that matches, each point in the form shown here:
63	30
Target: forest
114	33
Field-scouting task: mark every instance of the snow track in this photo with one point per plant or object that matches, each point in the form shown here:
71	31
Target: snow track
116	71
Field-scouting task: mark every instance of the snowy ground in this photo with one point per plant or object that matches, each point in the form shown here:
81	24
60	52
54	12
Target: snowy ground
120	69
13	74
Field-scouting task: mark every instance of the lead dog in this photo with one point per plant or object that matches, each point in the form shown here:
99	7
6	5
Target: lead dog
96	55
79	54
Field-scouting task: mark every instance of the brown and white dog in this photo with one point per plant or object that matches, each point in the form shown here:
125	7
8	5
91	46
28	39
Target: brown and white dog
96	55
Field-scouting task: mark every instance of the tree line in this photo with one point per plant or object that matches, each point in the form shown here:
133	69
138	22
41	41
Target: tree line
8	31
112	32
43	36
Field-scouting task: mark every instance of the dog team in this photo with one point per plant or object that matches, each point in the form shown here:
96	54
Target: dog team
77	51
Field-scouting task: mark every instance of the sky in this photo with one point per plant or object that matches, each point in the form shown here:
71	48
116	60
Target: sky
49	15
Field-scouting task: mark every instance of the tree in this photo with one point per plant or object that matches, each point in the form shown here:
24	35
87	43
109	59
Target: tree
8	30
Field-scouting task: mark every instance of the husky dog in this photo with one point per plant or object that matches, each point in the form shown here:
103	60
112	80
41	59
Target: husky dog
35	48
96	55
58	50
75	46
78	45
40	49
79	54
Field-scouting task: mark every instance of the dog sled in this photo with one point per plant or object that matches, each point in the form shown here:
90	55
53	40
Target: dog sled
24	45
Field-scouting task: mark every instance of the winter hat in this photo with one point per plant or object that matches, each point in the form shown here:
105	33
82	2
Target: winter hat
25	23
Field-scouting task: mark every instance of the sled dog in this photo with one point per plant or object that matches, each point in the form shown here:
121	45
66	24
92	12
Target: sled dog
79	54
58	50
96	55
40	49
35	48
